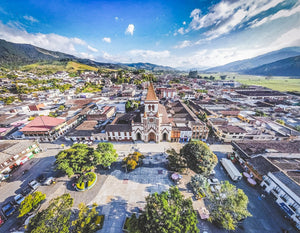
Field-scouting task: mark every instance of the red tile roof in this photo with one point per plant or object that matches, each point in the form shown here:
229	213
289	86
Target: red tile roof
42	123
151	95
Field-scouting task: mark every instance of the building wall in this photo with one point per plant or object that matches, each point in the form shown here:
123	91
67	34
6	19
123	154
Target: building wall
284	195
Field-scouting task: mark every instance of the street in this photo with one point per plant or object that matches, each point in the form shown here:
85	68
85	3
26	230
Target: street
118	193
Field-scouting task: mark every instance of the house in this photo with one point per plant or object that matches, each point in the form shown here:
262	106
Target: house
14	153
227	133
45	128
286	193
148	123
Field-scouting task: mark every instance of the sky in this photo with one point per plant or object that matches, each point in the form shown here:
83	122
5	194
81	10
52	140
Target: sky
182	34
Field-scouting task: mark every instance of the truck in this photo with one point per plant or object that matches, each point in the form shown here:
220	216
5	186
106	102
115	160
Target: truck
232	171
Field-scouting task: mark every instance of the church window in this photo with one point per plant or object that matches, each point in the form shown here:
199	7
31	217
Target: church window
149	107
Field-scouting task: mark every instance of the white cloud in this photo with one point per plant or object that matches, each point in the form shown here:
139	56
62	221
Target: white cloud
228	15
30	18
184	44
181	31
92	49
280	14
130	29
184	23
50	41
116	18
106	39
149	54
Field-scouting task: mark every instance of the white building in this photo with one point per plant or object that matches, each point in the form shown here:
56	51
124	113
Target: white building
286	192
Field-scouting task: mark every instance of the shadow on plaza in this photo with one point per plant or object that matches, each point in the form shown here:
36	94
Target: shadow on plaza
152	171
115	211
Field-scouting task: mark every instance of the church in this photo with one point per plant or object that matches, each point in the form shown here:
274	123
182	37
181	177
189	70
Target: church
148	123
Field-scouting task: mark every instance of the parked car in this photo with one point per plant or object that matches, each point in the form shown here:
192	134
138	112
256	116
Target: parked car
49	181
34	184
41	178
25	191
8	209
18	199
1	220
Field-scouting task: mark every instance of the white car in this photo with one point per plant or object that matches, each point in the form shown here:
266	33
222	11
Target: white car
18	199
34	184
49	181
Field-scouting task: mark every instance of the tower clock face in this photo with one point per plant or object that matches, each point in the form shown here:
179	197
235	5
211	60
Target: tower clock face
151	120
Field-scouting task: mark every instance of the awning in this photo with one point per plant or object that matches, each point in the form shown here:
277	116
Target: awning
286	209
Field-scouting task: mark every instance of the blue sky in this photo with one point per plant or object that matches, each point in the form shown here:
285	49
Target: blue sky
182	34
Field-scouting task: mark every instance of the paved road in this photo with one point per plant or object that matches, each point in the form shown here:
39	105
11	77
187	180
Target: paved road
119	194
266	215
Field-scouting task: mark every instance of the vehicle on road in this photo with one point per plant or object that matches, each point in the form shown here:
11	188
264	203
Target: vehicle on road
25	191
34	184
41	178
8	209
1	220
18	199
232	171
49	181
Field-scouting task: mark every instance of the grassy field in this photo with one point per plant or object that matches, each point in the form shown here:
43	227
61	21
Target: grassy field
74	66
275	83
50	68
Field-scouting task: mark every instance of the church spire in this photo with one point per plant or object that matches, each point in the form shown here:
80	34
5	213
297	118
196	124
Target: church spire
151	95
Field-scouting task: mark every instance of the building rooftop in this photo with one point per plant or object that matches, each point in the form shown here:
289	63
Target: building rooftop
42	123
9	148
291	184
231	129
151	95
262	165
251	147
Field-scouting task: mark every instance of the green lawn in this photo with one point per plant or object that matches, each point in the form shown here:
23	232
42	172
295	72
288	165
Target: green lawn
275	83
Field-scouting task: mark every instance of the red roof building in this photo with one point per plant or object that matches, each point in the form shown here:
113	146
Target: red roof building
44	126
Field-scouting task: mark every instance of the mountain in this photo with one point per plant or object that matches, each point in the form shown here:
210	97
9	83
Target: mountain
21	54
149	66
14	55
248	64
285	67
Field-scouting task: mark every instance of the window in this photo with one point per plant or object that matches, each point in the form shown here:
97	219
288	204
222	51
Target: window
284	198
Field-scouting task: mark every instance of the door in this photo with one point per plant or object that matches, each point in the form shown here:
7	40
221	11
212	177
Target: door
151	137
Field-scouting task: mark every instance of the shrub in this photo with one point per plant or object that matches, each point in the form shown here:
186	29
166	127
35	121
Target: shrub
133	160
80	185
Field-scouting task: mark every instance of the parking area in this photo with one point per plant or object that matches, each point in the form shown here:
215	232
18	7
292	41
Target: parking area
266	215
119	194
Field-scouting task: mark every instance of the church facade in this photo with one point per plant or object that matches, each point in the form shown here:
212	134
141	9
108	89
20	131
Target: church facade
148	123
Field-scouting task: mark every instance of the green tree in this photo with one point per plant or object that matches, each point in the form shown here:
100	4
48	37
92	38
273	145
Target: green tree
176	161
55	218
280	121
199	184
78	159
128	105
199	157
228	206
86	221
31	202
168	212
61	107
106	154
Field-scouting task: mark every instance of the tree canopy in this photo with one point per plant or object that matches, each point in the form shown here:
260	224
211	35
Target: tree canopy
30	202
79	158
228	206
177	162
167	212
55	218
199	157
87	221
107	154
